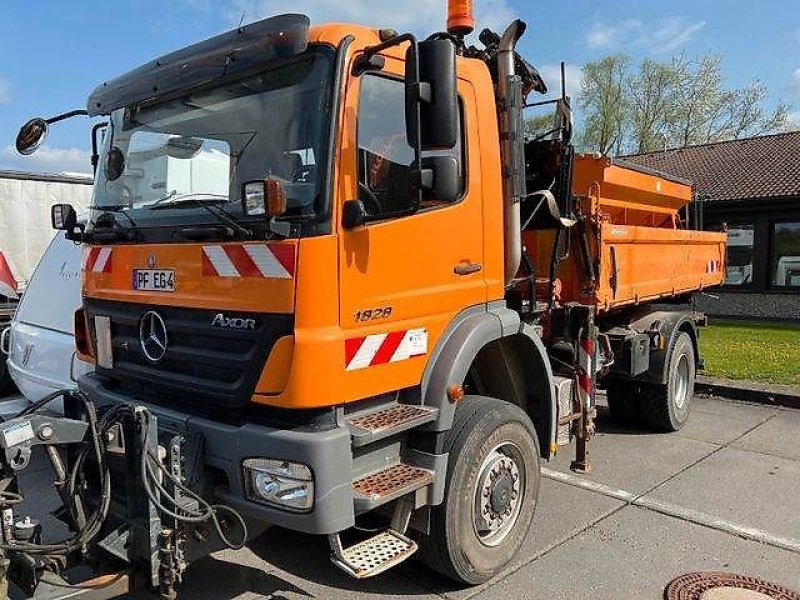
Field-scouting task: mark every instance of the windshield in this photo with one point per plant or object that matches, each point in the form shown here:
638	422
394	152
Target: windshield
200	148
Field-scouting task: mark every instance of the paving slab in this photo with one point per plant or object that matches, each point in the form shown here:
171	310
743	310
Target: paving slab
777	437
634	553
726	407
719	429
562	512
744	487
635	460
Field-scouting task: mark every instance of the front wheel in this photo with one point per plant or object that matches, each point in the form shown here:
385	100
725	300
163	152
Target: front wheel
492	488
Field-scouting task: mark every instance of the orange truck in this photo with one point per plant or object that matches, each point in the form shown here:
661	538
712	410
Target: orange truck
341	283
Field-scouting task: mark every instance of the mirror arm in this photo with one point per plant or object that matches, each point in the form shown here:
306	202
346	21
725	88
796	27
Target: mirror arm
67	115
390	43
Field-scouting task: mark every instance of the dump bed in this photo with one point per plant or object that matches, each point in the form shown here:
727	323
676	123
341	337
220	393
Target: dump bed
629	246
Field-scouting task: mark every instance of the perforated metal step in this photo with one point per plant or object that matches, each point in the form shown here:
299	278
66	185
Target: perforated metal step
390	483
375	555
372	426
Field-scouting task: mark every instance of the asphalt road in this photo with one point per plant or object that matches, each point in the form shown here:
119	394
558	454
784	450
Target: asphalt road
721	494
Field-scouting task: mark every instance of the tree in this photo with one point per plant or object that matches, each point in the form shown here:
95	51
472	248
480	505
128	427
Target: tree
604	103
704	111
538	125
676	103
650	93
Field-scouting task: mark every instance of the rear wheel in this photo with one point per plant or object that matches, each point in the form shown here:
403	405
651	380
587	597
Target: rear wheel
492	488
666	406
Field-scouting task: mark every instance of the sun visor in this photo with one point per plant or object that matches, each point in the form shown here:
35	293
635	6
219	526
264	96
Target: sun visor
237	51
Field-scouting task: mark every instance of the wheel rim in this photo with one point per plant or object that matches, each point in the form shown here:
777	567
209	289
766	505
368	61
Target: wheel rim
498	494
681	383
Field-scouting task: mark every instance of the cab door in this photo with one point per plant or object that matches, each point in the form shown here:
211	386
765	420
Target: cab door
404	275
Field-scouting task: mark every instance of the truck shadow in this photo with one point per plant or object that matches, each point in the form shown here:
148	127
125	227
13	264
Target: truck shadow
308	557
606	424
216	579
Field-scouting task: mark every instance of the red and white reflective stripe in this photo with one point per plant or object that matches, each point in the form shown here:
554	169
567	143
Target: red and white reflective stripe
713	266
98	260
383	348
585	374
273	261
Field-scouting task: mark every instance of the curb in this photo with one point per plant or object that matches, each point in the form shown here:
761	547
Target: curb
772	395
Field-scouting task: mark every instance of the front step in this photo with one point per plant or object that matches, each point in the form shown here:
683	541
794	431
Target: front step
388	484
369	427
373	556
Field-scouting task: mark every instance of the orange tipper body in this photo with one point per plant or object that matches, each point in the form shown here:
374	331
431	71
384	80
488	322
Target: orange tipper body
642	250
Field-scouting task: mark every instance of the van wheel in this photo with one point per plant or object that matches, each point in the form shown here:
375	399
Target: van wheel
666	406
492	488
6	383
622	403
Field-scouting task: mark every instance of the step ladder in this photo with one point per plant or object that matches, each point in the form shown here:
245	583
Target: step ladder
380	552
371	426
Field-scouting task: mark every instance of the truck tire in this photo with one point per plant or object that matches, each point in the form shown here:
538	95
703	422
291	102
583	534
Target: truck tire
492	488
665	407
622	404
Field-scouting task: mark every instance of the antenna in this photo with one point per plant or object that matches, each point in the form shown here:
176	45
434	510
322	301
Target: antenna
244	12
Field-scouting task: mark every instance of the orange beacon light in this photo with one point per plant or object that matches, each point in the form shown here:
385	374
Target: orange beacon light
460	18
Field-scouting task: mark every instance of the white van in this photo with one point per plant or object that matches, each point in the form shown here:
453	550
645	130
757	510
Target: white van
41	345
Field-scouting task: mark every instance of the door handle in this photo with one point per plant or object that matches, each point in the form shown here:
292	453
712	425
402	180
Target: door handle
466	268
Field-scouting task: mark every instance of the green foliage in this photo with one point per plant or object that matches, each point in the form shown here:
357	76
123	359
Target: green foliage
675	103
753	351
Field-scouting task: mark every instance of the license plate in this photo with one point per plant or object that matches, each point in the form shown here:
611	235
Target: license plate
154	280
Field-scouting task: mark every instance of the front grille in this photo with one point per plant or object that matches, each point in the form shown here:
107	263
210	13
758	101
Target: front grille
203	366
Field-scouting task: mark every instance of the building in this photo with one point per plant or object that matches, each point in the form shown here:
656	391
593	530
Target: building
752	187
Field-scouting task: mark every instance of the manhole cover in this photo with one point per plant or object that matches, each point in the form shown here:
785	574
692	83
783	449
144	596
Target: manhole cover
710	585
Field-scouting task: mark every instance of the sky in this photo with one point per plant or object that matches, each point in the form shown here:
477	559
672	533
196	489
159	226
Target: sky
54	52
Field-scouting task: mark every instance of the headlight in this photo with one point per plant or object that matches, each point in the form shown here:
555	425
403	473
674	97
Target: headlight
281	483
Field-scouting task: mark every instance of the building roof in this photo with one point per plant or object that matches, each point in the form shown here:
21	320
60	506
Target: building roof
54	177
752	168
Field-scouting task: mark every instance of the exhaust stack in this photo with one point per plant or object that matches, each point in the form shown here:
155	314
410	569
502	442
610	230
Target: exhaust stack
512	149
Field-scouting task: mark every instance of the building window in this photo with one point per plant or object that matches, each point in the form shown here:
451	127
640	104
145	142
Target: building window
785	244
740	255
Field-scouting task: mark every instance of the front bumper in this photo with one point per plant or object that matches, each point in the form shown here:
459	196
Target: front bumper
225	446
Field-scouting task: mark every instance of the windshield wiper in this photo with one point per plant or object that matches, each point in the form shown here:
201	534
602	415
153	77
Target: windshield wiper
208	202
117	209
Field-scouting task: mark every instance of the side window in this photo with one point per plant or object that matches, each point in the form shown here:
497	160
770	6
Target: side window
384	154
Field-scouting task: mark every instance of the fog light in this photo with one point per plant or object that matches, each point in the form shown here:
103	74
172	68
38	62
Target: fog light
281	483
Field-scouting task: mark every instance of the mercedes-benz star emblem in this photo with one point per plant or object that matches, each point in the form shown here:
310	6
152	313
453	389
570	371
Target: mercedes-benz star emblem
153	336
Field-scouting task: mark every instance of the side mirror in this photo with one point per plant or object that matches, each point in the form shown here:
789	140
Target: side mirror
354	214
63	217
441	178
31	136
264	197
431	95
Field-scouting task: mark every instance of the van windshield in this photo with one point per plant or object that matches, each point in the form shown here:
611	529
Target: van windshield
203	146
